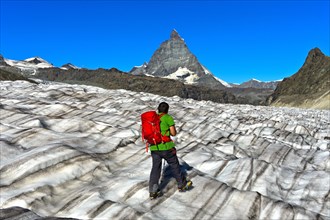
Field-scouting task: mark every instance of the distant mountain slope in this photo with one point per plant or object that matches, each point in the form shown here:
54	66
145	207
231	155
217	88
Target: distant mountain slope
174	60
116	79
255	96
309	87
254	83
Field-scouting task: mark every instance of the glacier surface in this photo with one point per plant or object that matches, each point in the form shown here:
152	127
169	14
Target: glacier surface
75	151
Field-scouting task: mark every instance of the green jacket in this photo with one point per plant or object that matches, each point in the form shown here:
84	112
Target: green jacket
166	121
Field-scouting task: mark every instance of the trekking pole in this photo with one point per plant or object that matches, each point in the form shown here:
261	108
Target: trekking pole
162	171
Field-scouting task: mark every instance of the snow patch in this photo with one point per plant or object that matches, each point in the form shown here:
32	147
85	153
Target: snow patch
185	75
253	79
141	66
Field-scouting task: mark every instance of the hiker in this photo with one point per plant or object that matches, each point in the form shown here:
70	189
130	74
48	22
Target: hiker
167	151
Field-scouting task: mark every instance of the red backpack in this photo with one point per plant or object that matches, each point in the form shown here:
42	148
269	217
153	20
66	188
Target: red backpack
151	132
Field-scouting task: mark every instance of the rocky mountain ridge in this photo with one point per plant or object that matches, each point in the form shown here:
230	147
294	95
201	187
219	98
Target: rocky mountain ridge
309	87
116	79
254	83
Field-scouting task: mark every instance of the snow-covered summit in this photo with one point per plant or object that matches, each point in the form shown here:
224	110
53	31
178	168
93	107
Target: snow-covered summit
69	66
37	60
253	79
33	62
29	65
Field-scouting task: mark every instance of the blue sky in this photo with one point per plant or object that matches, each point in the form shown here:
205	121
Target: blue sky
235	40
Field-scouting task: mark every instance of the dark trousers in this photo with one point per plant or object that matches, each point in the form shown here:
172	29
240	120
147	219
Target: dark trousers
173	162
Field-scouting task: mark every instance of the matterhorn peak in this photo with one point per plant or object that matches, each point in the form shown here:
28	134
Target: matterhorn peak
175	35
174	60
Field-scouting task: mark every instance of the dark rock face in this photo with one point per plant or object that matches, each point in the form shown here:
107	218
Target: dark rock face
7	73
2	61
172	55
309	84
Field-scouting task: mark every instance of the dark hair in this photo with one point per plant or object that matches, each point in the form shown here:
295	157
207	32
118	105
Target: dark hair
163	107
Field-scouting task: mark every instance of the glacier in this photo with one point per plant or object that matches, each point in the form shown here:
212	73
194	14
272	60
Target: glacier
75	151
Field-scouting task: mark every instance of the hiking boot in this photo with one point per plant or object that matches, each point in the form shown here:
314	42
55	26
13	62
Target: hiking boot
154	195
186	186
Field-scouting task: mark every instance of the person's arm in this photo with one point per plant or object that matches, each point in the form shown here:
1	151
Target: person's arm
172	130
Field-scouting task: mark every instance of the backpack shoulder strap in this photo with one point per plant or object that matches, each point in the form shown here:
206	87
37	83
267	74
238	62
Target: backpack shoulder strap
168	131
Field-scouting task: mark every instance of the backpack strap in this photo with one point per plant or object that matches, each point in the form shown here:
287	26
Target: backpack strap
165	137
147	145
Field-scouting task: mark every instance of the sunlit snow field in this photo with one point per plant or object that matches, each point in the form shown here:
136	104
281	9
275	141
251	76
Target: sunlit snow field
76	151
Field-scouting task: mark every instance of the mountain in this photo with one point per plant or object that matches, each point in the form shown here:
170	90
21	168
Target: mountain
116	79
75	151
29	66
174	60
139	70
309	87
254	83
113	79
69	66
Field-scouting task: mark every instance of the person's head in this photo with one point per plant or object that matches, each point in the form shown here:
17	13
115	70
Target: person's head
163	107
